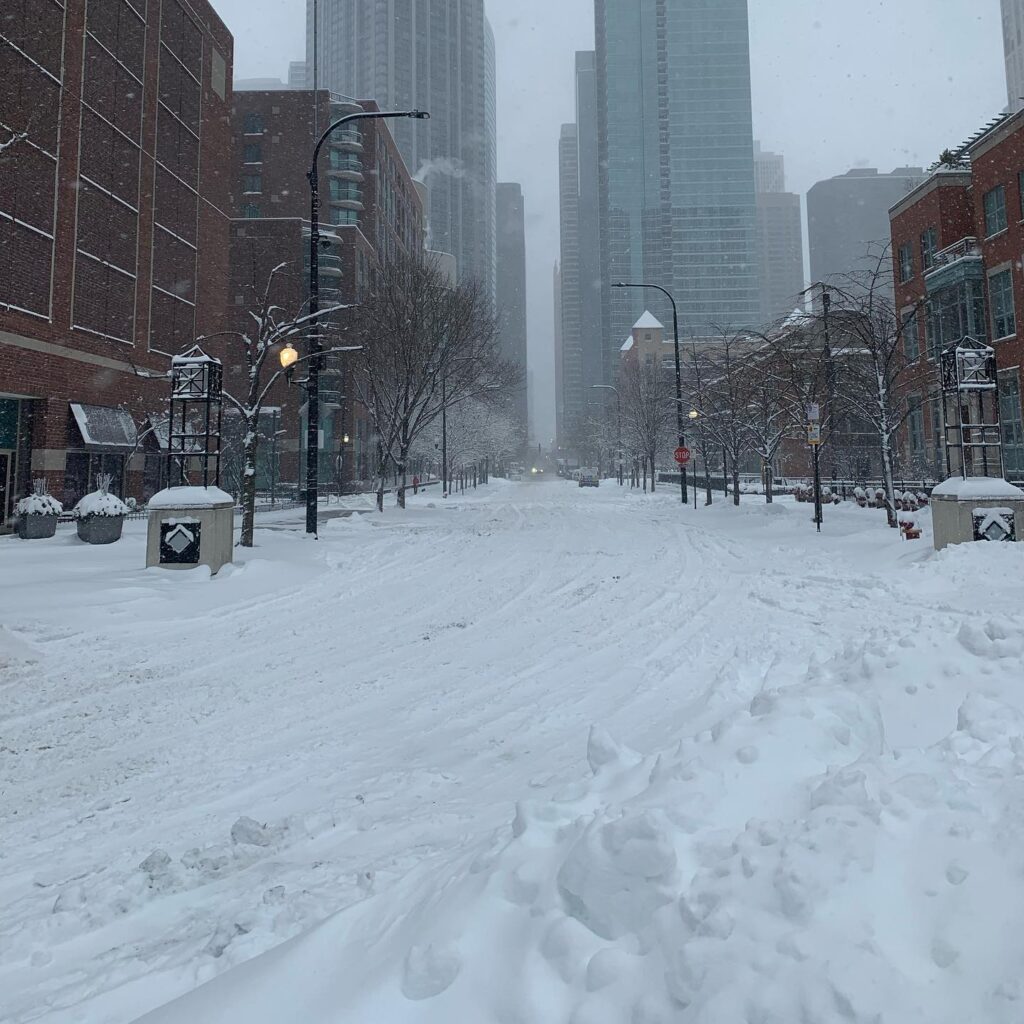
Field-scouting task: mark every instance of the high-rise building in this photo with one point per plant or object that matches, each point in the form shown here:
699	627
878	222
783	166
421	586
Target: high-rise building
676	161
1013	47
511	284
769	170
434	55
848	219
780	242
583	352
556	287
297	75
114	212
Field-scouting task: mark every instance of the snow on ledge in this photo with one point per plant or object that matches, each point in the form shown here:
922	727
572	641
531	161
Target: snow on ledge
189	497
979	487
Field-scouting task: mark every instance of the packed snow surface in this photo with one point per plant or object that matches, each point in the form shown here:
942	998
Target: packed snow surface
534	756
189	497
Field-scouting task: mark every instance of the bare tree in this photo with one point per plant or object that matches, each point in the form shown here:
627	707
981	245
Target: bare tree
426	347
648	410
728	391
273	326
874	379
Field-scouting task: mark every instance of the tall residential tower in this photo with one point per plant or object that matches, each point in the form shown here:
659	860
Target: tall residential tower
582	359
677	163
511	287
435	55
780	238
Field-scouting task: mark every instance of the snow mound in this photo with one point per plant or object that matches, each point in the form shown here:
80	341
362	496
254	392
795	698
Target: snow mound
99	503
781	866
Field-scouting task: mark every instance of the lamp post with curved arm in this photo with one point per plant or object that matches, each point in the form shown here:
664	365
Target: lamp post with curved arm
679	372
313	385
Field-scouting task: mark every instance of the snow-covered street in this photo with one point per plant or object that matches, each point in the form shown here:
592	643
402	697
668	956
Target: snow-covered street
194	770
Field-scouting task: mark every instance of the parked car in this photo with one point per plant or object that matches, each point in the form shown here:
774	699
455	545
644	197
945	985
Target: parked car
589	479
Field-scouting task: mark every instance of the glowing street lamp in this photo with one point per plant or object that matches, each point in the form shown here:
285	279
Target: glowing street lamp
288	356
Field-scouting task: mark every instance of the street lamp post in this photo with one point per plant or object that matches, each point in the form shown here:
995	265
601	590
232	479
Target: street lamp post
679	372
618	419
313	386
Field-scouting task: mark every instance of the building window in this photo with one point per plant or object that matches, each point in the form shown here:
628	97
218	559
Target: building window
1012	423
339	216
250	211
254	152
932	336
915	426
929	245
906	263
218	73
252	183
1000	293
938	438
911	340
995	211
253	124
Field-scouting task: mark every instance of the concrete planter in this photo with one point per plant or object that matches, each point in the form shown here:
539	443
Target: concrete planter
100	529
36	527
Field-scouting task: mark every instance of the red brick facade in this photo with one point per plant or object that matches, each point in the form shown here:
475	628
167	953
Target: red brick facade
365	185
957	243
114	211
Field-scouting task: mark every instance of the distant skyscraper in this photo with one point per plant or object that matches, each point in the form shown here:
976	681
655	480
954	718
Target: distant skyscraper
572	405
556	285
848	218
677	165
435	55
511	283
297	75
780	240
1013	47
583	350
769	170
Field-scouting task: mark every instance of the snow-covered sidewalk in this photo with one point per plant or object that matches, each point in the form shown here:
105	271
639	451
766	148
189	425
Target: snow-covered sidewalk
195	770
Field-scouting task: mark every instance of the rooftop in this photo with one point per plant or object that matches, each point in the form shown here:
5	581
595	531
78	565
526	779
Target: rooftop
648	322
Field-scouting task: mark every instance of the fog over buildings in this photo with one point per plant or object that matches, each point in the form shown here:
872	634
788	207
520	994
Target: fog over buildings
831	88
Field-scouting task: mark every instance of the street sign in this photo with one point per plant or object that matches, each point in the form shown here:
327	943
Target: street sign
682	455
813	412
814	433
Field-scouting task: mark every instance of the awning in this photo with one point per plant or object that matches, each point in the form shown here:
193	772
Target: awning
103	429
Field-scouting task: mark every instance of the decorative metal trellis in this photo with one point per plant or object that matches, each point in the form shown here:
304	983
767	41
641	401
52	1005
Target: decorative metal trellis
195	423
970	406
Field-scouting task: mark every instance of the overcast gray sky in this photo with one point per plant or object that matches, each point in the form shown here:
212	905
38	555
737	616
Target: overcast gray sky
836	84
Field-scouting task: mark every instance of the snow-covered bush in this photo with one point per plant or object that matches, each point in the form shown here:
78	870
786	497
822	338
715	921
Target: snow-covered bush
101	502
39	502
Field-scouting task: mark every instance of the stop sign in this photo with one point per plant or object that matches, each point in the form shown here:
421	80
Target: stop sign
682	456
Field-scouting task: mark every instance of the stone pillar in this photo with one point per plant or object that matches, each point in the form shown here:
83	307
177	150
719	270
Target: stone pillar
189	527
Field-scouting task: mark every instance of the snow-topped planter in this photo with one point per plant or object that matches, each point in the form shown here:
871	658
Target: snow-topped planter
38	513
100	515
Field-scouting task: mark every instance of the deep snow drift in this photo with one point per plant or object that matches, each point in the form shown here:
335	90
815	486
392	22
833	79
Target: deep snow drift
376	748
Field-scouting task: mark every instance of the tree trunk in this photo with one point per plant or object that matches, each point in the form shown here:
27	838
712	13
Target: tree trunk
890	487
769	496
653	473
249	485
735	479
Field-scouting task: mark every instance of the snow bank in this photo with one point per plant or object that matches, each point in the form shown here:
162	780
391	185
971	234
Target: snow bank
781	866
977	487
189	497
101	503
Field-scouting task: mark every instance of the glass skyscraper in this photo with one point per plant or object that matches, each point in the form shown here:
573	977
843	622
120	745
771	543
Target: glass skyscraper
435	55
676	163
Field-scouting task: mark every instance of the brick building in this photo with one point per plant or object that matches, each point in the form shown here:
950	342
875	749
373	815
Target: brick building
114	211
957	241
370	207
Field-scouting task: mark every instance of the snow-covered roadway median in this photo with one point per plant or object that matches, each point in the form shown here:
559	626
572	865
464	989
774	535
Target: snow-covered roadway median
193	771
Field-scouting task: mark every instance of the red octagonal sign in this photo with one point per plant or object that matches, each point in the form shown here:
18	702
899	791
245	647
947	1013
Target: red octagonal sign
682	456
